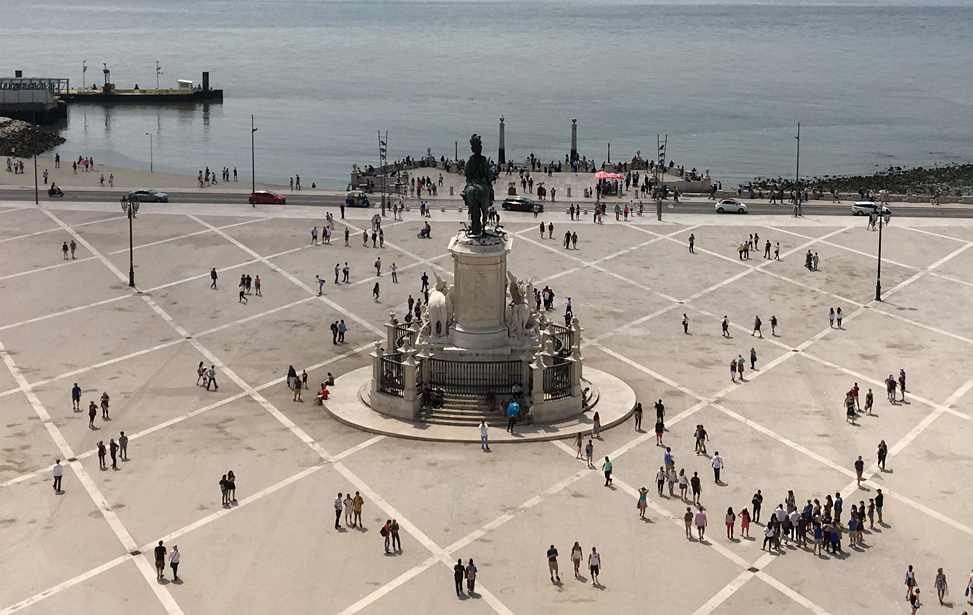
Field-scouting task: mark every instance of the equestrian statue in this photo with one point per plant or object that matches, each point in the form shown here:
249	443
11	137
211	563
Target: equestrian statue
478	193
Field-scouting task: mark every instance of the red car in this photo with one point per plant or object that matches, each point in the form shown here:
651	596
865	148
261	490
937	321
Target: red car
266	196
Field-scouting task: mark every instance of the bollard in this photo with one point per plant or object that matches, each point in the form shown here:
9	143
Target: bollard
569	193
450	191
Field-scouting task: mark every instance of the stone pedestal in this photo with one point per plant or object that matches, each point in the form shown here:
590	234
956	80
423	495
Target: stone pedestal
479	293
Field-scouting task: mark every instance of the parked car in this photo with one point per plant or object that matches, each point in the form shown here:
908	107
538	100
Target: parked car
864	208
357	198
146	195
730	205
266	197
521	203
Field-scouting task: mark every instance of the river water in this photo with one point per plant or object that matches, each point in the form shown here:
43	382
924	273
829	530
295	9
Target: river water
872	85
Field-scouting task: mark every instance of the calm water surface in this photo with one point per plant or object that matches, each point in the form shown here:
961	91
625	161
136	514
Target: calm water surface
872	85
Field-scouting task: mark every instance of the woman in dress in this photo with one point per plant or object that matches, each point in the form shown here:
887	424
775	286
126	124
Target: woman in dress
730	523
941	585
643	504
576	554
578	443
683	483
596	425
745	523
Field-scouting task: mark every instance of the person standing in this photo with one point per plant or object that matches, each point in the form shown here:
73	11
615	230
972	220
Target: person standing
638	421
717	463
589	452
969	589
342	329
838	314
701	438
768	537
700	522
685	324
910	583
643	503
692	243
484	442
773	325
688	520
346	273
64	250
552	564
459	570
174	556
869	400
859	469
349	508
726	326
395	273
338	505
694	482
160	561
594	565
113	451
753	359
396	541
607	467
879	504
660	480
314	236
76	398
882	451
358	501
757	502
92	413
59	473
745	522
731	519
211	378
386	533
104	405
470	577
831	318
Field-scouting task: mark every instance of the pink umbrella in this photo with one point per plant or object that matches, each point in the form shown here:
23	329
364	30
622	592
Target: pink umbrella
606	175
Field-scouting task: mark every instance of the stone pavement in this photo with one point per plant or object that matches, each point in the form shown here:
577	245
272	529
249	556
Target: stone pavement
783	428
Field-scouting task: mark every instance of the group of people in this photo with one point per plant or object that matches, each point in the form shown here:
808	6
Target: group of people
246	283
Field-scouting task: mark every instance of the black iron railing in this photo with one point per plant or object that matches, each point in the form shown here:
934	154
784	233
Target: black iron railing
557	381
392	381
475	378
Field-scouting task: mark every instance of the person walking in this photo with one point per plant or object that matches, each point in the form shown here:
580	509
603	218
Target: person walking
837	314
552	564
338	506
941	586
160	561
726	326
659	429
589	451
859	469
910	583
211	378
638	421
576	554
914	601
683	484
701	438
58	472
700	519
695	483
92	413
688	521
745	522
459	572
376	292
756	327
174	557
768	537
213	277
594	565
717	463
831	318
607	467
64	250
660	480
969	589
470	577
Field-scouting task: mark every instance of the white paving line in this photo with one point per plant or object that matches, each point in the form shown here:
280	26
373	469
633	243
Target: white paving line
294	280
848	249
116	525
57	228
52	591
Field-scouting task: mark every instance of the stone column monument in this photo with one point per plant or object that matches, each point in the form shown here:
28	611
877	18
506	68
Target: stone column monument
502	158
574	139
479	293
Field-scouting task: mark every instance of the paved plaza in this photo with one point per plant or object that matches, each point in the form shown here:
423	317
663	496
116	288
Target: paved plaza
89	548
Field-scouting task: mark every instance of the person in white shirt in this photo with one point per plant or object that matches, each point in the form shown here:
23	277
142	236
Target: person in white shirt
349	509
174	562
59	472
717	465
484	443
337	512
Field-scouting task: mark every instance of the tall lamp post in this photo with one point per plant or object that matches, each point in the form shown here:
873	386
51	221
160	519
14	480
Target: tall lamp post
253	162
130	205
34	131
151	155
883	217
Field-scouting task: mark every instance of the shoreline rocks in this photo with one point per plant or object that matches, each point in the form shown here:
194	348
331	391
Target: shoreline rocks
19	136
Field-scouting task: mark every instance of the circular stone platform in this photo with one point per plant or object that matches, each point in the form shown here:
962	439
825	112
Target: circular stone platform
615	402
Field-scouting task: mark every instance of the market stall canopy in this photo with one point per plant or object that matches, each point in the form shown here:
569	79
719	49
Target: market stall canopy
607	175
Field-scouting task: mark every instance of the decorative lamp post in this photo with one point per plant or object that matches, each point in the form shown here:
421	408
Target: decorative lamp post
883	219
130	206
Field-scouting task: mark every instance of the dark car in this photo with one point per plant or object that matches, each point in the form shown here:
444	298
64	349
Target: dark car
266	197
521	203
146	195
357	198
